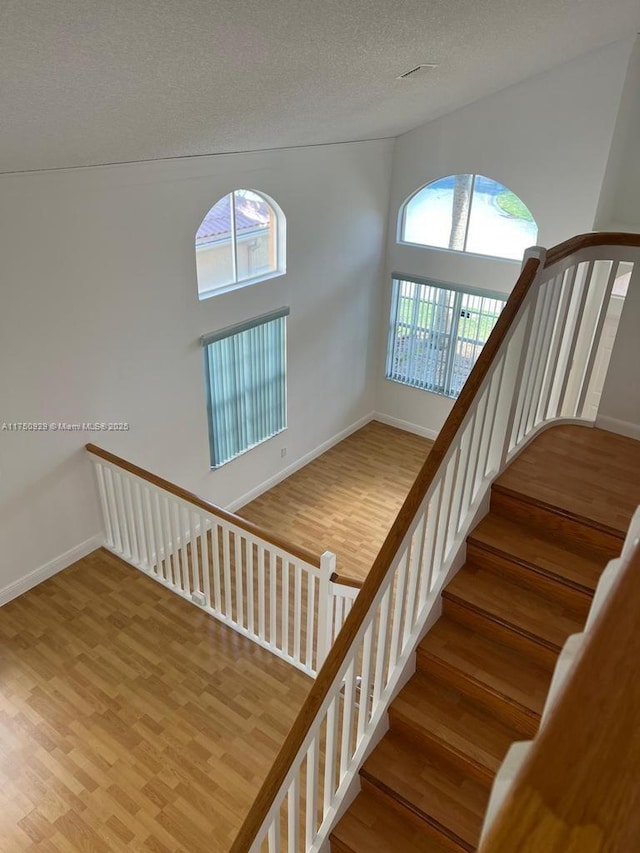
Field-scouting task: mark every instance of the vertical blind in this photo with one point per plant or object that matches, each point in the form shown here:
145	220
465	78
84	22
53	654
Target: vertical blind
437	333
245	376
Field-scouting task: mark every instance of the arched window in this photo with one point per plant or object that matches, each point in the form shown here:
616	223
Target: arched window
468	213
240	241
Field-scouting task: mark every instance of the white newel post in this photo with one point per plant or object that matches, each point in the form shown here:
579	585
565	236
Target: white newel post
325	608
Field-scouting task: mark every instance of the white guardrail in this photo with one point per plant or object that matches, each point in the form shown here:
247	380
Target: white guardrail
286	604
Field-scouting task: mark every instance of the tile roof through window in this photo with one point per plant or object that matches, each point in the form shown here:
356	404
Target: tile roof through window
250	213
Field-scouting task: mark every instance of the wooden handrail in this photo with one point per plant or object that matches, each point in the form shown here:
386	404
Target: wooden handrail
232	518
346	581
590	241
376	576
579	789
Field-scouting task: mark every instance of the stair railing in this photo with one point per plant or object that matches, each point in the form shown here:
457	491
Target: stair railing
535	369
275	593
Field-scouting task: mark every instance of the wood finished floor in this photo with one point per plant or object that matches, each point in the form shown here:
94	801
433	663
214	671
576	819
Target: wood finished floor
345	500
129	719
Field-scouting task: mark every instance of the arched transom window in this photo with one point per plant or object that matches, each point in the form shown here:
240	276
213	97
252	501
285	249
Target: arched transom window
468	213
240	241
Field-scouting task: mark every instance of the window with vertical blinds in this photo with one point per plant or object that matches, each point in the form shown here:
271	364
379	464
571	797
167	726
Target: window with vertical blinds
246	384
436	334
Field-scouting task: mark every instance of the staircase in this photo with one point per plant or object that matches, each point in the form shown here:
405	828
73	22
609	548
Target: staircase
484	669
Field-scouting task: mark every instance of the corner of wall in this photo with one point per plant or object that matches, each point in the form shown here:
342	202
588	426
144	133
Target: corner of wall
52	567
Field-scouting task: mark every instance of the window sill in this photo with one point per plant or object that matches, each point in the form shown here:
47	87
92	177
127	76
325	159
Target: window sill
458	253
238	285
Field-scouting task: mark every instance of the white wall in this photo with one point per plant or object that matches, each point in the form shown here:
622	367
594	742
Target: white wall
619	204
548	140
619	210
100	321
619	409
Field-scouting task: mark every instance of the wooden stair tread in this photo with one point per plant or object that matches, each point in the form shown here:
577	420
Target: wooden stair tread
559	511
432	711
501	669
561	560
367	828
432	790
590	474
514	606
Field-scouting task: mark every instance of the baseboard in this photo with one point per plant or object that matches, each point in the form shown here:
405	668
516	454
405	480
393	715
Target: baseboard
621	427
37	576
300	463
405	425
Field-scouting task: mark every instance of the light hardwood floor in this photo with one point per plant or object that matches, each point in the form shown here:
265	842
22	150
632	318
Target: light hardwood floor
345	500
130	720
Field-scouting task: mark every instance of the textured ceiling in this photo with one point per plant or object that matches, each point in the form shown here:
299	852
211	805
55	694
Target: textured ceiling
101	81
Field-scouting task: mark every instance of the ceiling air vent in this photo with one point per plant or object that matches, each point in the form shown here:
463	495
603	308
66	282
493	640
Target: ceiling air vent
419	69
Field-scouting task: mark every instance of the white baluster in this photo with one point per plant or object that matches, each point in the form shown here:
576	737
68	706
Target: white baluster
145	557
365	681
113	512
347	719
565	406
157	529
546	366
273	598
214	569
122	514
551	388
547	298
196	582
261	596
204	549
488	461
226	566
331	747
416	550
106	514
426	568
398	604
239	566
381	642
169	545
176	537
285	606
311	618
595	338
293	823
152	543
274	835
311	803
251	581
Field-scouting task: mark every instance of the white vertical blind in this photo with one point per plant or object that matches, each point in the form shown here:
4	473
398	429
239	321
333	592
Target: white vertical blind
245	375
436	334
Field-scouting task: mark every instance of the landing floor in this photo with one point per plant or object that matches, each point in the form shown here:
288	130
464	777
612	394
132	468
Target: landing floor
592	473
130	720
346	500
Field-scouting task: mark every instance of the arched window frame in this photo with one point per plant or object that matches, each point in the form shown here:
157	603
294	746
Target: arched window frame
279	240
402	214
